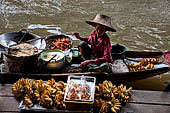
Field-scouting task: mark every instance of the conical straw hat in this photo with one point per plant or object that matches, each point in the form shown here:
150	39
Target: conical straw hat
103	20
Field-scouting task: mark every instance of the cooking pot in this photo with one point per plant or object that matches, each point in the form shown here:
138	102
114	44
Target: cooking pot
59	42
8	39
118	51
21	63
52	59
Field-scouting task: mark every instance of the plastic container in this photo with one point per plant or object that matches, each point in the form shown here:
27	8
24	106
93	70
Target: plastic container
80	85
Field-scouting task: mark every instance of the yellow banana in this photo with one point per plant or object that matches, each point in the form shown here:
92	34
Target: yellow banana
116	108
113	110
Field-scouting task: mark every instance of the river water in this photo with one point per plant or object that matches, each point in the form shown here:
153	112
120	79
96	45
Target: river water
142	25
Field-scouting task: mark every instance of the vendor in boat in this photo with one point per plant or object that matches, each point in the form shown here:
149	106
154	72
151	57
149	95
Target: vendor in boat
96	49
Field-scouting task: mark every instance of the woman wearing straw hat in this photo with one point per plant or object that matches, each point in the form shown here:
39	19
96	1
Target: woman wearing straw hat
100	50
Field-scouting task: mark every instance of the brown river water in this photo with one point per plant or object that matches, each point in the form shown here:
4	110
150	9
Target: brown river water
142	25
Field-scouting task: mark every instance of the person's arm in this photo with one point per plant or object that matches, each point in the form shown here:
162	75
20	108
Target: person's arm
105	58
77	35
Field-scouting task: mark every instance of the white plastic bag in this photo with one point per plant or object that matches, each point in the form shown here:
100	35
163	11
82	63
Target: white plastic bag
119	66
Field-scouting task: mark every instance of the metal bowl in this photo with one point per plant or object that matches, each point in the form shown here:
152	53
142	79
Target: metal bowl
62	45
51	62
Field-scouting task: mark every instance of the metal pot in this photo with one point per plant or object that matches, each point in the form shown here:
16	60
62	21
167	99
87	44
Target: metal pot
52	59
7	39
118	51
21	63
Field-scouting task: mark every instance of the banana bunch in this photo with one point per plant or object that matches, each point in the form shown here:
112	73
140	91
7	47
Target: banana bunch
106	89
46	99
28	89
105	97
28	100
109	97
59	94
98	102
18	88
150	61
60	86
38	89
115	90
58	100
53	94
115	105
144	64
105	105
98	92
49	93
51	83
102	105
124	94
34	89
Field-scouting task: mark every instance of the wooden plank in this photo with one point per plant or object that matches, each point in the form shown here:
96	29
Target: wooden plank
144	108
8	104
141	101
5	90
138	96
150	97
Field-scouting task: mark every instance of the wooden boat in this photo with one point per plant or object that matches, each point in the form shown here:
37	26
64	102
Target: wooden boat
100	76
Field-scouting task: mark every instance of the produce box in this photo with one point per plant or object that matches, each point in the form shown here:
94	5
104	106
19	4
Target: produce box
79	94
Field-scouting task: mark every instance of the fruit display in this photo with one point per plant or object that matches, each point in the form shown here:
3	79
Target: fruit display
144	64
104	97
48	94
108	97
